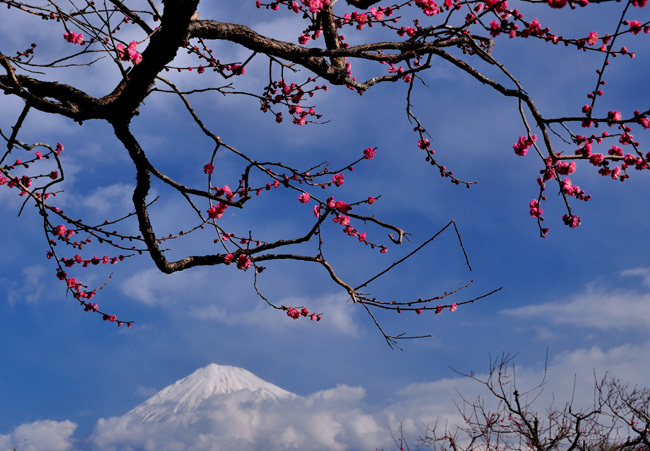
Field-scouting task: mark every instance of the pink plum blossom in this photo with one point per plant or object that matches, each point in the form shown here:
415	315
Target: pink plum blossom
315	5
369	153
243	262
129	53
564	168
596	158
338	179
635	26
535	210
74	38
571	221
342	206
293	312
557	4
216	211
593	38
645	122
522	145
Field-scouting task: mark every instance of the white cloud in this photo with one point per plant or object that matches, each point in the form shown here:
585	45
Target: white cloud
629	362
109	199
595	307
152	287
332	419
40	435
640	271
30	287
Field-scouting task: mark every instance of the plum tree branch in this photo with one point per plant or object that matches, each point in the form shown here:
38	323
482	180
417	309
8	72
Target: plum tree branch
462	34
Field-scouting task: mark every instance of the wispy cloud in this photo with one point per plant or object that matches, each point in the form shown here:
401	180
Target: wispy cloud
640	271
29	287
108	199
595	307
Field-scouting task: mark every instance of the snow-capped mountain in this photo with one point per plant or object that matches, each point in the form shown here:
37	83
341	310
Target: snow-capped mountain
223	408
209	383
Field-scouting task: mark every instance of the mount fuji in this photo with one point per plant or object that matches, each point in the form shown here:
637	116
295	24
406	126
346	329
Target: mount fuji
209	383
220	408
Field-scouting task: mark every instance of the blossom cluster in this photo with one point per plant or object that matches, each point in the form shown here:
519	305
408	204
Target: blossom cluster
217	211
74	38
430	7
369	153
292	96
129	53
523	144
535	209
557	165
243	261
315	5
293	312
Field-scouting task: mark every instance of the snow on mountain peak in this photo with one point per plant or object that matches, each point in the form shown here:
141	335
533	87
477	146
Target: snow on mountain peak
210	382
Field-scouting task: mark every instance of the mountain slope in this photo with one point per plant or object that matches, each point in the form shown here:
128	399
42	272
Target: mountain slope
203	384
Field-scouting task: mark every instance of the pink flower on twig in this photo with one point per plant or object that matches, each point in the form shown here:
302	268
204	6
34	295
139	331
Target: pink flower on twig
369	153
129	53
74	38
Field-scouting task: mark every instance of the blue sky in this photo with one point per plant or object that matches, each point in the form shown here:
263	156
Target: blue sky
583	294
